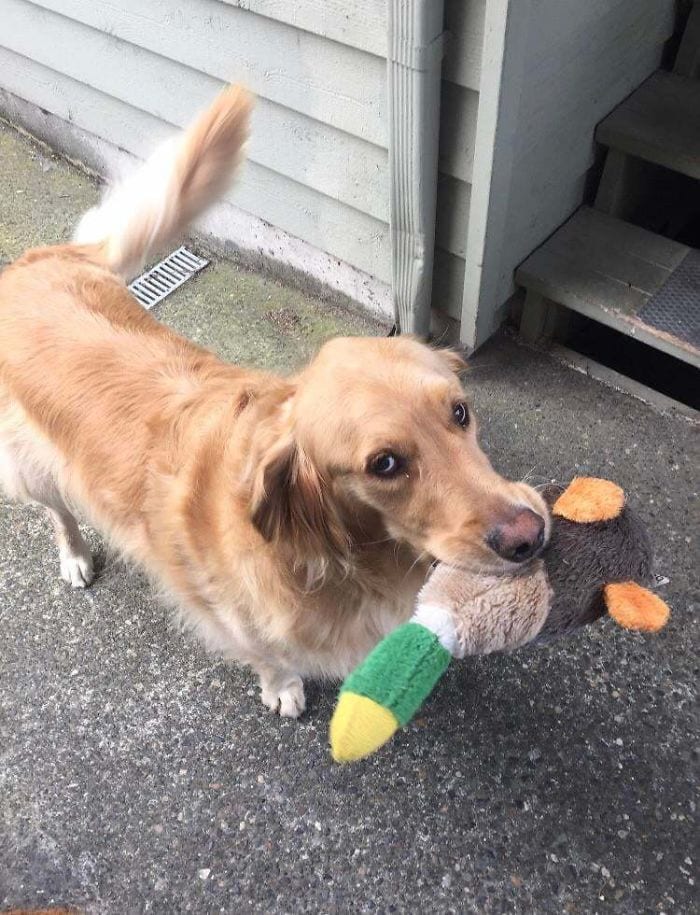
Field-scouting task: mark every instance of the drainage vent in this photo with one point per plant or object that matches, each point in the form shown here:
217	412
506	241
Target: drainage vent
158	282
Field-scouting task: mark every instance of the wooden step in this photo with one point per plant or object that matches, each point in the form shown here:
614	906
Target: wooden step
609	270
659	122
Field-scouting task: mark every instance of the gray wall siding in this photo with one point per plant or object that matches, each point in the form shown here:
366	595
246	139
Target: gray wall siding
581	60
464	23
129	71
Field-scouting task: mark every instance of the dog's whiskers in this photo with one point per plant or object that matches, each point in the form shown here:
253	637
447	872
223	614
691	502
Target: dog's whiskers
376	542
419	558
532	475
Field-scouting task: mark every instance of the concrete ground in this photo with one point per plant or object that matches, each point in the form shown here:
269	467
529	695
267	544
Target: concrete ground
139	775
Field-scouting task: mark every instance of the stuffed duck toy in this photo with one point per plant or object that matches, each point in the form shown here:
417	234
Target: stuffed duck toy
598	561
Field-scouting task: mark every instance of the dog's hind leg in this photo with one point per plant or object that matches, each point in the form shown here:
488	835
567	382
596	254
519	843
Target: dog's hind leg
28	473
74	554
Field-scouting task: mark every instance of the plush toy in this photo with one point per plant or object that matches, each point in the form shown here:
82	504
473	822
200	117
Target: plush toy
598	561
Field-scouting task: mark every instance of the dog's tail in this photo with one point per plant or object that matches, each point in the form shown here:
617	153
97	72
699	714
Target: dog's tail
182	178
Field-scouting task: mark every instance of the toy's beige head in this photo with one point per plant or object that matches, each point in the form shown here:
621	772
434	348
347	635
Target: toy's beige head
491	612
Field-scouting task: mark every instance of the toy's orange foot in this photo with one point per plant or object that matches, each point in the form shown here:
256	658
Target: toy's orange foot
633	607
588	499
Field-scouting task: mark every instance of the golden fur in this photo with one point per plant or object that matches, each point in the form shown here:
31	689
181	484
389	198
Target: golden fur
246	496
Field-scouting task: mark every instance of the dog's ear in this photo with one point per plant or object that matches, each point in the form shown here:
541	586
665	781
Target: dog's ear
456	362
291	501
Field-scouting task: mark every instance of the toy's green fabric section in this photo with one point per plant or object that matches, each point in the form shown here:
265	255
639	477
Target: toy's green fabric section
402	670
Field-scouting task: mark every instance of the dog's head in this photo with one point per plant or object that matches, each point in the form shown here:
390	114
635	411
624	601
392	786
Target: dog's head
382	429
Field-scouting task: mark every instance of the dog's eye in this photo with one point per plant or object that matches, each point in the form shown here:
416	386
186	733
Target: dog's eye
386	465
460	411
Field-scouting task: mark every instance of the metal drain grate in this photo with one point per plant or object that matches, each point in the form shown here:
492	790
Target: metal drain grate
153	285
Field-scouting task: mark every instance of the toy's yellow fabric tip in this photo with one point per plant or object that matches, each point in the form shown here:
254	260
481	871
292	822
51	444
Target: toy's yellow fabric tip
587	499
359	727
634	607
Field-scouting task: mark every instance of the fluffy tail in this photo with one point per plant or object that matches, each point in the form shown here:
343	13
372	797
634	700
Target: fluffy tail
181	179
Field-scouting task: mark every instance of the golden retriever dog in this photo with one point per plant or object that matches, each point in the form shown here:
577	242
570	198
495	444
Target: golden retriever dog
291	520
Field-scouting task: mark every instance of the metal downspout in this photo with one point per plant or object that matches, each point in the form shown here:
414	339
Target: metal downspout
414	64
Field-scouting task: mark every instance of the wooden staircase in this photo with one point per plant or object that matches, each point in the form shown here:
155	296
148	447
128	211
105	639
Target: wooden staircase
599	263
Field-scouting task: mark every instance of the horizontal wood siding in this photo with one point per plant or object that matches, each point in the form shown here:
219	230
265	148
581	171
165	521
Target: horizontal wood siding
291	206
334	83
362	24
464	23
129	71
299	147
358	23
459	102
582	60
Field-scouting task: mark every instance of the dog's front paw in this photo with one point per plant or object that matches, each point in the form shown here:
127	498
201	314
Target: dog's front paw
284	696
76	568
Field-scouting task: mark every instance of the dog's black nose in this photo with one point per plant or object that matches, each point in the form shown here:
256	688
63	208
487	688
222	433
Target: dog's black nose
519	539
